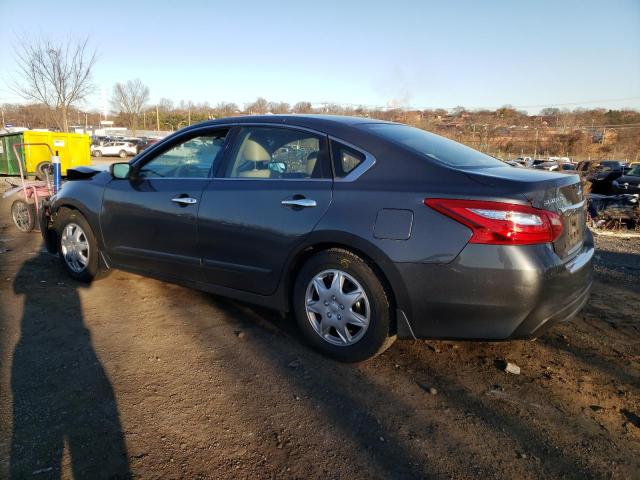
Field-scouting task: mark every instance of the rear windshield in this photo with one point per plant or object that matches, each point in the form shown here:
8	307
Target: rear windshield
433	146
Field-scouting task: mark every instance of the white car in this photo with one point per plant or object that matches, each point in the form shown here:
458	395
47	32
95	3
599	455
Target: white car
120	149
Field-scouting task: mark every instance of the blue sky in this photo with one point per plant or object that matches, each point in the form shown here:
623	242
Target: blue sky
419	53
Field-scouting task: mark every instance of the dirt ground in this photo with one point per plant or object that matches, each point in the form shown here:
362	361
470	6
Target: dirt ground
132	377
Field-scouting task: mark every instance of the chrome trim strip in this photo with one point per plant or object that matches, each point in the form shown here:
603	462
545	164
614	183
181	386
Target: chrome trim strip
575	206
257	179
369	161
208	179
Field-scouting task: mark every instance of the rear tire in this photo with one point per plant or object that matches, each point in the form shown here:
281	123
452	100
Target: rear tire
77	246
23	215
122	154
337	320
96	153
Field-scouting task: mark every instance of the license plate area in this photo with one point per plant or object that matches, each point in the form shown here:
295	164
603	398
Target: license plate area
572	237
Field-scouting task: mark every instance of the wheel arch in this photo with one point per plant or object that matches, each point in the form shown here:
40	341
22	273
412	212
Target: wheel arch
70	203
375	258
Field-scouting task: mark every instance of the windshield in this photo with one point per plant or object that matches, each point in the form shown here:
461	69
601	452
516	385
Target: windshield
634	171
433	146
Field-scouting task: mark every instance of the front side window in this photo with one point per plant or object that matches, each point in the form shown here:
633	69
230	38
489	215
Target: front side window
190	159
278	153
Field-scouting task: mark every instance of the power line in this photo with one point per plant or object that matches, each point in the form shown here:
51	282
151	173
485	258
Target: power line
578	103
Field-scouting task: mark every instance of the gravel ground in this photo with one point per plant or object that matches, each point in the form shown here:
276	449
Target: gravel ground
132	377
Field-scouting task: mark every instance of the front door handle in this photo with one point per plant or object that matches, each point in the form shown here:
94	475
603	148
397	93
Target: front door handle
184	200
299	202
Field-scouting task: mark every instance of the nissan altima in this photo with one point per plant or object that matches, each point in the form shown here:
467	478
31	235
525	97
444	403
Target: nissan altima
365	230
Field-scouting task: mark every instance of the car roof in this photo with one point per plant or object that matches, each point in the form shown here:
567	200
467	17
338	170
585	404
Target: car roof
320	122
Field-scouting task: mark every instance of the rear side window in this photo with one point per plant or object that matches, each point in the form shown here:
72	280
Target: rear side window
433	146
278	153
345	159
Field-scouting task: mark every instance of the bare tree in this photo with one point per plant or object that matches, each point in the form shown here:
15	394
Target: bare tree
260	106
54	73
303	107
130	99
279	107
225	109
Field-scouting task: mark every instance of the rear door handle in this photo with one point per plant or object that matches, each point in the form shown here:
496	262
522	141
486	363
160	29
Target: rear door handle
184	200
299	202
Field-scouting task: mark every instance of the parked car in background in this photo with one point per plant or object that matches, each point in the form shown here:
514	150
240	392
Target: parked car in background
366	230
514	163
556	166
627	183
144	143
524	161
601	174
111	149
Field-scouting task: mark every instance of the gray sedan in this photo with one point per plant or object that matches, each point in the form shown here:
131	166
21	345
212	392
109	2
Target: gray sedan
365	230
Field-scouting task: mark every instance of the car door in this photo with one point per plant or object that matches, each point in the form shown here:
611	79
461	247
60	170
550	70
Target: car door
149	221
270	192
110	148
104	148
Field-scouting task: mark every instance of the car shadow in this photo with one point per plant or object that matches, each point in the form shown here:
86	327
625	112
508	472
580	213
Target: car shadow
62	398
345	396
397	456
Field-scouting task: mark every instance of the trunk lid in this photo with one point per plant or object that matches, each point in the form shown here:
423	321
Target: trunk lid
556	192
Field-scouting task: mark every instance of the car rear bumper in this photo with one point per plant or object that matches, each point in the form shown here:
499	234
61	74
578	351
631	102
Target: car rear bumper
495	292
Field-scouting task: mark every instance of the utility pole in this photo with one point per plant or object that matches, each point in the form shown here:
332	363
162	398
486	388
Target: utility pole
157	119
86	122
535	151
144	120
189	115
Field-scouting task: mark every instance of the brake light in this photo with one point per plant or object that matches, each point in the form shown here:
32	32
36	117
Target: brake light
499	223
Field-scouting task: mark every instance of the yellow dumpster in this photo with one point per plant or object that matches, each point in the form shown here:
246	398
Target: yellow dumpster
73	149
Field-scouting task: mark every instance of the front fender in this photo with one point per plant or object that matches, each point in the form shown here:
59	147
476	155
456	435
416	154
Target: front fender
84	196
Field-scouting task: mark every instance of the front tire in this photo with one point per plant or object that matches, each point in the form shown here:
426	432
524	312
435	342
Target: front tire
97	153
122	154
342	307
77	246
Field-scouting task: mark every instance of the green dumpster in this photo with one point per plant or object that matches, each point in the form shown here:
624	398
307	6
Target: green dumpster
8	159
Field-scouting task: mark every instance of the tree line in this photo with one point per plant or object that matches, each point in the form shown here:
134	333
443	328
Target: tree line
55	77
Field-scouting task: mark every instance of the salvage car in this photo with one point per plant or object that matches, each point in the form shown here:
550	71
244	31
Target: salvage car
119	149
601	174
366	230
627	183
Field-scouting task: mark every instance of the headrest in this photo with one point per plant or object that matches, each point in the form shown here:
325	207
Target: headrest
254	152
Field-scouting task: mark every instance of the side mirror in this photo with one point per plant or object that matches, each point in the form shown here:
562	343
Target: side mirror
278	167
120	170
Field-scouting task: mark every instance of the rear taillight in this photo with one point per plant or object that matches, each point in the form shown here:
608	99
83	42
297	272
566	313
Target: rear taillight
499	223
